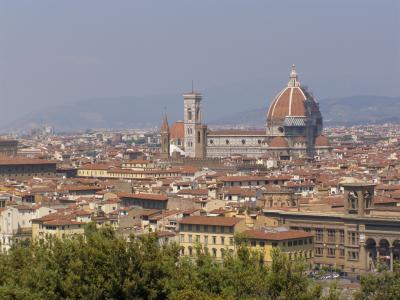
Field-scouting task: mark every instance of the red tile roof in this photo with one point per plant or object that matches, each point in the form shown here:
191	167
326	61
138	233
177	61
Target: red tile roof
276	236
157	197
217	221
279	142
177	130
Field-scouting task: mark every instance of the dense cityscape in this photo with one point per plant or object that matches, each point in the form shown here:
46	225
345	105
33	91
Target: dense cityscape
200	150
328	197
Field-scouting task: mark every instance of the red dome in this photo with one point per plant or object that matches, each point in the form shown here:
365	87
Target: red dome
291	101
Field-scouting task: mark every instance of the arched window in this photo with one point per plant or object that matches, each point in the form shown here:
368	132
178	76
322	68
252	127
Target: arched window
227	142
352	200
197	114
198	137
189	114
243	141
214	252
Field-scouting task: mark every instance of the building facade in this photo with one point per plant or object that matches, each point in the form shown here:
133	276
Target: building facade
354	241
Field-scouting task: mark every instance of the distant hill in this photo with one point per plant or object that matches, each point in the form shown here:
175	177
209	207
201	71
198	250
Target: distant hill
140	112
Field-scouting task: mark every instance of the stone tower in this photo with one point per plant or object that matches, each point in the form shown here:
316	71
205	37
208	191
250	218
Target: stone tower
358	197
195	131
165	138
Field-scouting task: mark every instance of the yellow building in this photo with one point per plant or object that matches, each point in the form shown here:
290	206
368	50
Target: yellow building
214	234
49	226
94	170
294	244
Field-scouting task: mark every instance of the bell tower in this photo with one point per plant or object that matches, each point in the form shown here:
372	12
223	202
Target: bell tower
165	138
358	198
195	131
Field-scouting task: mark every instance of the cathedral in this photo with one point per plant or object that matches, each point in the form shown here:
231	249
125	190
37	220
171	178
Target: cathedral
293	129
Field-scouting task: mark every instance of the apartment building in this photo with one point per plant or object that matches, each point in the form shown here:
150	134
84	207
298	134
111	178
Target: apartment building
295	244
214	234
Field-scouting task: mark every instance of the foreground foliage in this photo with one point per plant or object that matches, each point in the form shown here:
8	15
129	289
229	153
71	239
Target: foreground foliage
384	285
101	265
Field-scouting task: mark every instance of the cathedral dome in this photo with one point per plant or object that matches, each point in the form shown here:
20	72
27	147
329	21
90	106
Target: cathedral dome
291	101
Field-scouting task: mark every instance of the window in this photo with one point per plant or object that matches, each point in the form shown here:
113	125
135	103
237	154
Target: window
319	235
262	244
189	114
227	142
353	240
206	239
197	238
319	251
190	251
341	252
222	240
214	229
214	240
197	228
341	234
331	235
243	142
182	238
331	252
274	244
253	243
214	252
352	255
289	244
211	142
190	238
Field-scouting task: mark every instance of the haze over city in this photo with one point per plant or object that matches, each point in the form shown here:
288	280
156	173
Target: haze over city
57	53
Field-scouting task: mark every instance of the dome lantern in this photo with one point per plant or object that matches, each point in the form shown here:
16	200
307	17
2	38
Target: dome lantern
293	82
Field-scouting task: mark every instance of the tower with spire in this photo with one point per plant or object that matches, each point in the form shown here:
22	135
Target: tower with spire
165	138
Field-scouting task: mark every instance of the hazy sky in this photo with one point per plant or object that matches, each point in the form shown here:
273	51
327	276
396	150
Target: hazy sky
55	52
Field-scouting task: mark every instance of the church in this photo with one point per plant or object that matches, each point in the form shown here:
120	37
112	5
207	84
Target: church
293	129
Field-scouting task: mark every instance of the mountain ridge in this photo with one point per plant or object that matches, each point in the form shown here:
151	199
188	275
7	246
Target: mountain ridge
146	111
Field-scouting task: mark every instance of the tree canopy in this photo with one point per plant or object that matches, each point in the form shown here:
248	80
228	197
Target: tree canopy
102	265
